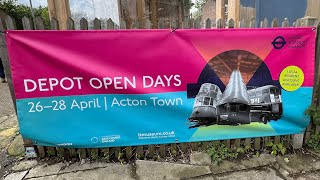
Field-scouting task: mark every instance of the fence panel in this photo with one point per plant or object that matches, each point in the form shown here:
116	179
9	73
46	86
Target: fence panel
164	149
54	24
26	23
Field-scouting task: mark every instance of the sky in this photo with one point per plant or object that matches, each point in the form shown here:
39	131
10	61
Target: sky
193	9
35	3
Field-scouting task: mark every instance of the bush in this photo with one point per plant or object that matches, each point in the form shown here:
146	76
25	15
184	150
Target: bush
18	11
314	142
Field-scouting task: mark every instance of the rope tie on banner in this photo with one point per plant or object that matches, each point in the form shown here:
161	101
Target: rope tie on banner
174	29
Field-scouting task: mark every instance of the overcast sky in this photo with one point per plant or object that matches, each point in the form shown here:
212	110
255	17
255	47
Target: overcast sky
35	3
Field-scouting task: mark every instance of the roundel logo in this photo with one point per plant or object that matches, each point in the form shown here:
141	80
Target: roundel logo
279	42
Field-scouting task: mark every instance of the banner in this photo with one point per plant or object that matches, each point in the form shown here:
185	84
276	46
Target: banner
136	87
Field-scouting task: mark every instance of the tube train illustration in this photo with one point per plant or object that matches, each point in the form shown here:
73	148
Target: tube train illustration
236	105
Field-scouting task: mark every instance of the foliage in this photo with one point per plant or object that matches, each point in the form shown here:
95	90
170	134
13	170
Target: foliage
198	5
188	4
314	113
18	11
314	142
314	110
43	12
219	152
276	149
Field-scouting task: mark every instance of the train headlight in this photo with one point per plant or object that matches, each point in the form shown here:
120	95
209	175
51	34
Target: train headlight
224	117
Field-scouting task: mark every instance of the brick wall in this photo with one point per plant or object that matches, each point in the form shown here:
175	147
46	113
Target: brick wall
209	11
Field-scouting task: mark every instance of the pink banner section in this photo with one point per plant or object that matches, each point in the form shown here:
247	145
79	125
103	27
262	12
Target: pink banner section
63	63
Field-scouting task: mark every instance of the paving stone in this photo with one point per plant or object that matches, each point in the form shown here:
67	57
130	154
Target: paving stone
3	118
10	122
45	170
9	132
24	165
16	176
113	171
309	176
299	163
262	160
265	174
6	105
164	170
207	177
6	136
226	166
200	158
16	148
229	166
87	166
314	152
54	177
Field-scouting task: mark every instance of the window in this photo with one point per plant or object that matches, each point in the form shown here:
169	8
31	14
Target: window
233	108
272	91
243	107
265	95
206	101
211	101
198	101
223	108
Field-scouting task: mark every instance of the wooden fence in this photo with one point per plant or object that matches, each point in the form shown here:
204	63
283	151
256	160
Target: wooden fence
161	150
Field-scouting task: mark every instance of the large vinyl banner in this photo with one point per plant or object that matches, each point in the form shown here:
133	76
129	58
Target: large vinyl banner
135	87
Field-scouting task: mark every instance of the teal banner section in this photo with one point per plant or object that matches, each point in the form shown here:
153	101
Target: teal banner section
117	120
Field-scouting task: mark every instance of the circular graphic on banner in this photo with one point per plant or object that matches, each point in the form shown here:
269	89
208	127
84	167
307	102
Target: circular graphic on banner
291	78
224	63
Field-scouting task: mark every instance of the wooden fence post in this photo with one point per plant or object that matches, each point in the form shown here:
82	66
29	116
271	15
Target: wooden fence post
252	23
285	22
110	24
220	24
297	139
84	24
11	25
39	23
274	23
231	23
54	24
197	24
96	24
123	24
264	23
208	24
26	23
70	24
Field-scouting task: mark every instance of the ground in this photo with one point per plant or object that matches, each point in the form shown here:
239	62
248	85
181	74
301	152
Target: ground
13	166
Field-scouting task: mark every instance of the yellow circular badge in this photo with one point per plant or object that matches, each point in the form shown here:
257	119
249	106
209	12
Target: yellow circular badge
291	78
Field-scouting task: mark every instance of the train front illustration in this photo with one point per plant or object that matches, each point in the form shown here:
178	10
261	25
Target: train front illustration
237	104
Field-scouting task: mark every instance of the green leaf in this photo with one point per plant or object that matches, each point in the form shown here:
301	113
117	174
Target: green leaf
274	152
274	147
283	150
286	160
280	146
240	150
247	147
269	144
257	154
